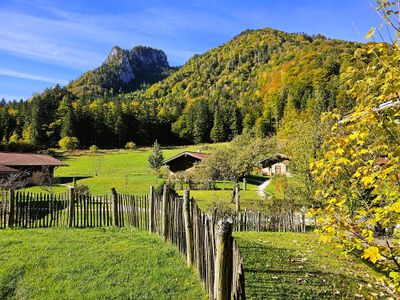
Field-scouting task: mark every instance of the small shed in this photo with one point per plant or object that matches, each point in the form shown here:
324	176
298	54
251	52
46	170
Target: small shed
184	161
5	171
275	165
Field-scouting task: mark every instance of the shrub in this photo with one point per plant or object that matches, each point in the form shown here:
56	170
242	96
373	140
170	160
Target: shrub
130	145
69	143
94	149
82	189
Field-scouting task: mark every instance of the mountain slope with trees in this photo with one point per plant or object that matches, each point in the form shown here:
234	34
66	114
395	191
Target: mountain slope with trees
256	82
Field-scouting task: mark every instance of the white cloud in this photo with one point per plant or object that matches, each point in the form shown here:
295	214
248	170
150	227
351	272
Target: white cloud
78	40
29	76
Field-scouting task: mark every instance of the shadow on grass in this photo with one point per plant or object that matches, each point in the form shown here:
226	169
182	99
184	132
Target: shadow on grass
67	179
282	273
256	179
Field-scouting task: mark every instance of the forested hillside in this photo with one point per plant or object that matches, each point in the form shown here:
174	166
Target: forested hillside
252	82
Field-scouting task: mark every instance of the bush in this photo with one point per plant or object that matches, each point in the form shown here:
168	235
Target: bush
158	190
82	189
130	145
69	143
94	149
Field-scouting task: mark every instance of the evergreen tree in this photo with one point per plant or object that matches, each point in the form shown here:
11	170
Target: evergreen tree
217	133
156	158
201	125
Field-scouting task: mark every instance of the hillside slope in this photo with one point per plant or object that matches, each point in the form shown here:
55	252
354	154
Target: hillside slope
255	82
250	81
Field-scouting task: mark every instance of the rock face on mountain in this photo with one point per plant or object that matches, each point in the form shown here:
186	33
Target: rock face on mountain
123	71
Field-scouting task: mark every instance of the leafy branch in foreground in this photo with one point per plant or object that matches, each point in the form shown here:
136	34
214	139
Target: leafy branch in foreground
358	177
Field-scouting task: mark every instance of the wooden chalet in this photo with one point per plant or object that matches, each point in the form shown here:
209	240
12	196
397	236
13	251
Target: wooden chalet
184	161
28	163
275	165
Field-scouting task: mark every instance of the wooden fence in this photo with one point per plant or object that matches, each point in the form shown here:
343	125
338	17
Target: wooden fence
206	242
205	239
256	221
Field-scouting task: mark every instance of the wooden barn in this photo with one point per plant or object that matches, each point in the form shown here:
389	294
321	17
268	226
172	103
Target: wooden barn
184	161
27	162
275	165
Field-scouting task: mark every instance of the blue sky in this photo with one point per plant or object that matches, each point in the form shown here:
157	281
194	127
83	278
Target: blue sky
47	42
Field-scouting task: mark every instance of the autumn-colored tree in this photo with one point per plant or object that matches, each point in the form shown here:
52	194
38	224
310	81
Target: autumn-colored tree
358	177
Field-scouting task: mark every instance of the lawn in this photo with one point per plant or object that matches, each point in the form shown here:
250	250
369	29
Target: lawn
128	172
293	266
222	195
93	264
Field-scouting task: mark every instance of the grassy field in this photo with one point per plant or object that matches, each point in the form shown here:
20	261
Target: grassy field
297	266
128	172
92	264
222	195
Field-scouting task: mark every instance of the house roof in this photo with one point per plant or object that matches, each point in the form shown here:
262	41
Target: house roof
269	161
198	155
10	159
5	169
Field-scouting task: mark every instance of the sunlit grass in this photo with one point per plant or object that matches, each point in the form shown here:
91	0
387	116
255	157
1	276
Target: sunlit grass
297	266
107	263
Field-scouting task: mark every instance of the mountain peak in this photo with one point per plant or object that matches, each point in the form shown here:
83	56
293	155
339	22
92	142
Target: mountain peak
125	70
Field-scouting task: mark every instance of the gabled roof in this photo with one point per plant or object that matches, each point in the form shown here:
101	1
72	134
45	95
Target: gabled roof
278	157
5	169
197	155
11	159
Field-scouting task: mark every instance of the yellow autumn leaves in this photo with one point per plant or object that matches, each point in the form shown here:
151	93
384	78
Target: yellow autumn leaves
372	253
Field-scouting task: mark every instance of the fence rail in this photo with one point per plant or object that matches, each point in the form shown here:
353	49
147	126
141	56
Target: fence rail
204	239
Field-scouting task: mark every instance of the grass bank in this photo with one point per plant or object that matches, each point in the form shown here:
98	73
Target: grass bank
297	266
92	264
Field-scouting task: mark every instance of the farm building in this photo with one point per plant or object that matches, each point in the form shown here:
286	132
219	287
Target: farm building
27	162
184	161
275	165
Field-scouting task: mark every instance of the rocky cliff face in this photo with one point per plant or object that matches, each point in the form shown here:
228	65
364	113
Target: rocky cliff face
123	71
136	61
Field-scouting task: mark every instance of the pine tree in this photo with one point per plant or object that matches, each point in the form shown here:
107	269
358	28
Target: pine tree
217	133
201	126
156	158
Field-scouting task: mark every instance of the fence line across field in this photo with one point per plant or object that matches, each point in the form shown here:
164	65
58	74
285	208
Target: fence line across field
205	239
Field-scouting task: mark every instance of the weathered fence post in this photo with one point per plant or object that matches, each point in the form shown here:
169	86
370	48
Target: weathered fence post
114	199
244	183
151	208
188	227
11	211
223	260
164	213
71	206
237	197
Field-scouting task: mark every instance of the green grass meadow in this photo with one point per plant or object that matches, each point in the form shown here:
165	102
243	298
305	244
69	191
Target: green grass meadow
297	266
108	263
124	263
128	172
